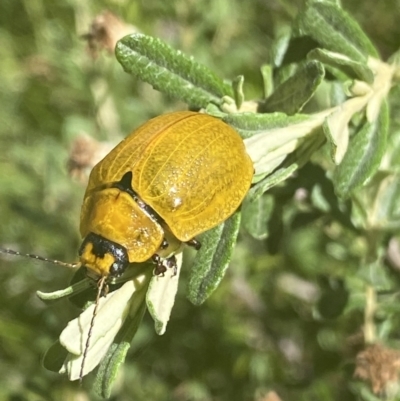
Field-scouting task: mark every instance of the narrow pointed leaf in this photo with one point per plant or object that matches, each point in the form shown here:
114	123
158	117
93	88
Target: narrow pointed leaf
268	147
160	297
385	210
280	45
293	162
170	71
256	214
54	357
250	124
70	291
363	155
267	76
116	354
331	27
237	85
291	95
212	259
353	69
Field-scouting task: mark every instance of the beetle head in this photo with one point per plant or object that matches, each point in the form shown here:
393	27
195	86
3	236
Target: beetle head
102	257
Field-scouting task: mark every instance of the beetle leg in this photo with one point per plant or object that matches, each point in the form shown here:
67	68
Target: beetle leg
194	243
163	265
171	264
160	269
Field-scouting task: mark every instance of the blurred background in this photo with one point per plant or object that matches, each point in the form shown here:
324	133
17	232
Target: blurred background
278	321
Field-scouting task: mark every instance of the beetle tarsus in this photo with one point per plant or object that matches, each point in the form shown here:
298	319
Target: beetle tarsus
164	265
160	269
172	264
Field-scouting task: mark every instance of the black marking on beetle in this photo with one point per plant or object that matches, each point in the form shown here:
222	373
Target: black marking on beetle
102	246
125	185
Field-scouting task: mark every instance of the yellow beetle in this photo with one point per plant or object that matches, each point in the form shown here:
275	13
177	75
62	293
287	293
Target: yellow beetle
176	176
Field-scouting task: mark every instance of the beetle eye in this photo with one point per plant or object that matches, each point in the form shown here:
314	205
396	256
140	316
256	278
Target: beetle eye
117	268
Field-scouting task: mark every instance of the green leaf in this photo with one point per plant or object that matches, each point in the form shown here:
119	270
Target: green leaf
377	275
395	61
293	162
280	44
256	214
160	297
116	354
336	125
212	259
70	291
170	71
333	299
291	95
250	124
395	58
352	69
54	357
334	30
363	391
337	94
268	148
116	314
363	155
275	178
267	76
237	86
377	206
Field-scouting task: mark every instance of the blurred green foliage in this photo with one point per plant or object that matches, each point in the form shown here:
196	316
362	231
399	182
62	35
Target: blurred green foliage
286	315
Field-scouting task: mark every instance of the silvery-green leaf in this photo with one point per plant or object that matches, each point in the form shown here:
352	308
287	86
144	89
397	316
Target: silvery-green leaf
291	95
111	314
365	97
170	71
352	69
375	274
377	205
250	124
293	162
331	27
394	61
337	94
363	155
336	126
109	367
385	211
267	75
280	44
383	82
161	294
237	85
66	292
212	259
116	353
256	214
268	148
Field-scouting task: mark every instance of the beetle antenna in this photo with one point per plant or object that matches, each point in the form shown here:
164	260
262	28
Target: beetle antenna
101	284
31	256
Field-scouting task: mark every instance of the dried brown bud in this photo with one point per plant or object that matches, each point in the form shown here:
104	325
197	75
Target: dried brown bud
85	153
105	30
379	366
